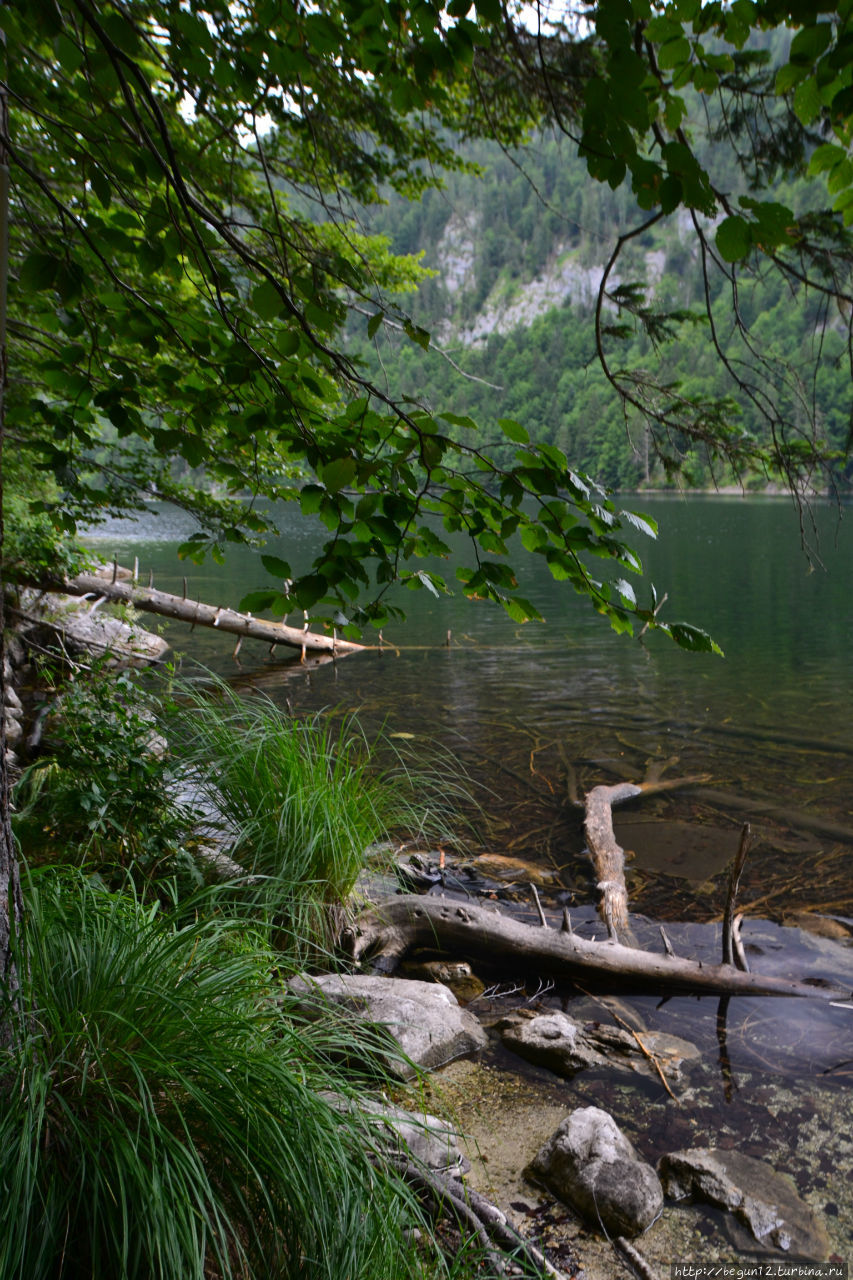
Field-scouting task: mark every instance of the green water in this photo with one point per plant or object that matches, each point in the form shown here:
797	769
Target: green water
533	711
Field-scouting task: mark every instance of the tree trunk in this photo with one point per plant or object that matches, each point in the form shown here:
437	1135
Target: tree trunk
10	885
206	615
384	935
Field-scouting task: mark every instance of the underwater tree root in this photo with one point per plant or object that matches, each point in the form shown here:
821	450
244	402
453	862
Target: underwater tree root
504	1249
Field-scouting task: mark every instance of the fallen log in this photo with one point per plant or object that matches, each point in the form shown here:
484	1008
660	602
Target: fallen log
165	605
386	933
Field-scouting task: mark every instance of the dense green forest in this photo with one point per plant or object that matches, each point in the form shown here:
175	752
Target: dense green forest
517	248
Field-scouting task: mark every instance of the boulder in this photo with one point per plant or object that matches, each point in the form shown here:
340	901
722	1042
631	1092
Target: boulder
424	1018
424	1139
558	1042
763	1200
87	631
591	1165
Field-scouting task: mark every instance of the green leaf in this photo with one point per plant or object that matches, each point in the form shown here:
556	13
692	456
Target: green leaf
809	43
308	590
626	591
674	53
266	300
275	565
533	537
288	343
807	101
646	524
417	334
514	430
425	580
521	610
338	473
788	76
692	638
311	498
38	271
373	324
257	601
826	157
734	238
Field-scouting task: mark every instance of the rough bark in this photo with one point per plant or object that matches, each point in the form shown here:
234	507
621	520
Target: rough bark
165	605
385	934
10	886
608	858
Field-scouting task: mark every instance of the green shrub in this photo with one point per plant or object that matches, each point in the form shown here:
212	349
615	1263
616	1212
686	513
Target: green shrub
103	794
160	1113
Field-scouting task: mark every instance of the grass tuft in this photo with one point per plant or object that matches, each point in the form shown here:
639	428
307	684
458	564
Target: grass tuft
161	1111
303	800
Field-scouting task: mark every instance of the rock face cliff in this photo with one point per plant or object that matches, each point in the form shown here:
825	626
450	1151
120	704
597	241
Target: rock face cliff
518	250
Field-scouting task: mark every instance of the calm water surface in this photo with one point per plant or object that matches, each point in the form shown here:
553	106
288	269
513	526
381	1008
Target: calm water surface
536	712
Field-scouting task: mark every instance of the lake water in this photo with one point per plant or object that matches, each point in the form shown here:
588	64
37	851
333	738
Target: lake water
532	711
534	714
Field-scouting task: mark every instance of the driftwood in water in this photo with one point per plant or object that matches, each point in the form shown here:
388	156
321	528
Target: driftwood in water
608	858
194	612
386	933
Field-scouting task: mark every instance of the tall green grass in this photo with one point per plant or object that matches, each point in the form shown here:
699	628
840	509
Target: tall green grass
303	800
161	1115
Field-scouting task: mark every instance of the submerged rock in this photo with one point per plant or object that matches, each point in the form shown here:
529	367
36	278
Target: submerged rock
591	1165
497	866
455	974
762	1199
556	1041
424	1018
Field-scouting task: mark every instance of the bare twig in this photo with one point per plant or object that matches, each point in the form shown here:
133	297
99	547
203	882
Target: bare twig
729	952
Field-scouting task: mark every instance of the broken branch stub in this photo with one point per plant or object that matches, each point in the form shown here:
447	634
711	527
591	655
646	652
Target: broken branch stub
608	857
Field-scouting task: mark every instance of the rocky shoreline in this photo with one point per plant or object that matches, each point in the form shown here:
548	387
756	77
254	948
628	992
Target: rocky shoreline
615	1147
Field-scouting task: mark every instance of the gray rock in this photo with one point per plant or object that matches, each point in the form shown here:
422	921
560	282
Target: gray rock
552	1040
15	651
424	1018
11	699
556	1041
591	1165
425	1139
762	1199
86	631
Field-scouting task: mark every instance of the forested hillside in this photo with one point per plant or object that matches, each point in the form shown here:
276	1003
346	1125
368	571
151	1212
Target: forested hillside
518	249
